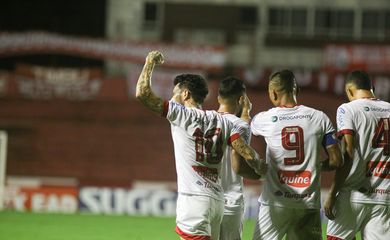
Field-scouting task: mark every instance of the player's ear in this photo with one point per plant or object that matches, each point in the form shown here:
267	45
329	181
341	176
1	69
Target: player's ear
186	94
241	100
275	95
350	92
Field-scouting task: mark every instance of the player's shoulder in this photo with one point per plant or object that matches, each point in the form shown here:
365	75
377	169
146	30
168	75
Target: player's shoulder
214	117
343	108
181	108
351	107
310	110
177	105
235	120
230	117
212	114
382	103
265	114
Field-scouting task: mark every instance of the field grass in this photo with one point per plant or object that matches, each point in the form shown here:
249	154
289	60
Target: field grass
40	226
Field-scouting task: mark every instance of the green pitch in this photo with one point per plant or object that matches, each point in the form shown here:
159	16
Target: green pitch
35	226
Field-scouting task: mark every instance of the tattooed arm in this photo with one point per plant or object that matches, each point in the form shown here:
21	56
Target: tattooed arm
144	91
239	165
250	155
242	168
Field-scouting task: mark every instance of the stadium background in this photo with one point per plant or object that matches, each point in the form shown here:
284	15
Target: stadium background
78	141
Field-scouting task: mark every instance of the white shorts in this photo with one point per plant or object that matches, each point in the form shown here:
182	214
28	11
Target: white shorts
276	222
231	226
198	216
372	220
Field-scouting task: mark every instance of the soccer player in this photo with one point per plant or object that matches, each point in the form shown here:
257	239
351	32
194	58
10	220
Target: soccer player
360	196
294	135
200	139
235	106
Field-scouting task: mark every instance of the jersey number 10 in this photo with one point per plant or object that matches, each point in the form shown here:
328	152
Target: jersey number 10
208	146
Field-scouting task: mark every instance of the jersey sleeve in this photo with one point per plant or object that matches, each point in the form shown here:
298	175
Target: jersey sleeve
234	132
178	114
344	121
245	132
256	127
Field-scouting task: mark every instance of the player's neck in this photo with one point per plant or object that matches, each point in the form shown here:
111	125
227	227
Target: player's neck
361	94
192	104
226	108
288	101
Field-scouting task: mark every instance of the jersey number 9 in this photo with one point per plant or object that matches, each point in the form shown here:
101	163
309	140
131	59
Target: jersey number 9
292	139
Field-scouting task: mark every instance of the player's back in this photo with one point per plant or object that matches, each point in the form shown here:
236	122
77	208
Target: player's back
294	140
232	183
200	139
369	122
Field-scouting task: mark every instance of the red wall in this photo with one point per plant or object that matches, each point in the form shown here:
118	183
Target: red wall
108	141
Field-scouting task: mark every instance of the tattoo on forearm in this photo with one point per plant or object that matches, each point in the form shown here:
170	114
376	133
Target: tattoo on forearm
144	90
243	149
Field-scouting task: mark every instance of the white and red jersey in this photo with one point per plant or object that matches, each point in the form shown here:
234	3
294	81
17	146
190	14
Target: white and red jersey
368	120
232	183
294	138
200	139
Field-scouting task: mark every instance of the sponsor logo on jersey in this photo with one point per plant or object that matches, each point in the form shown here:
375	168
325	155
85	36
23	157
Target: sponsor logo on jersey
295	117
296	195
379	191
298	179
207	173
274	118
379	169
292	195
340	117
376	109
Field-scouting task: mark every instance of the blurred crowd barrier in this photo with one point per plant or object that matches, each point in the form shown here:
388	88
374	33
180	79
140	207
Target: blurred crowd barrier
78	84
144	198
181	56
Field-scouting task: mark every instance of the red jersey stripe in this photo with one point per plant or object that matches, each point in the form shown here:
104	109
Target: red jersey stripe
233	137
333	238
190	236
345	132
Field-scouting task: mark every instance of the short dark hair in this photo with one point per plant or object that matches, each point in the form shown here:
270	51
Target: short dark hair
360	79
196	84
231	88
283	81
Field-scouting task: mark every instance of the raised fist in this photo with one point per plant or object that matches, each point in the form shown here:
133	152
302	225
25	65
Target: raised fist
155	57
